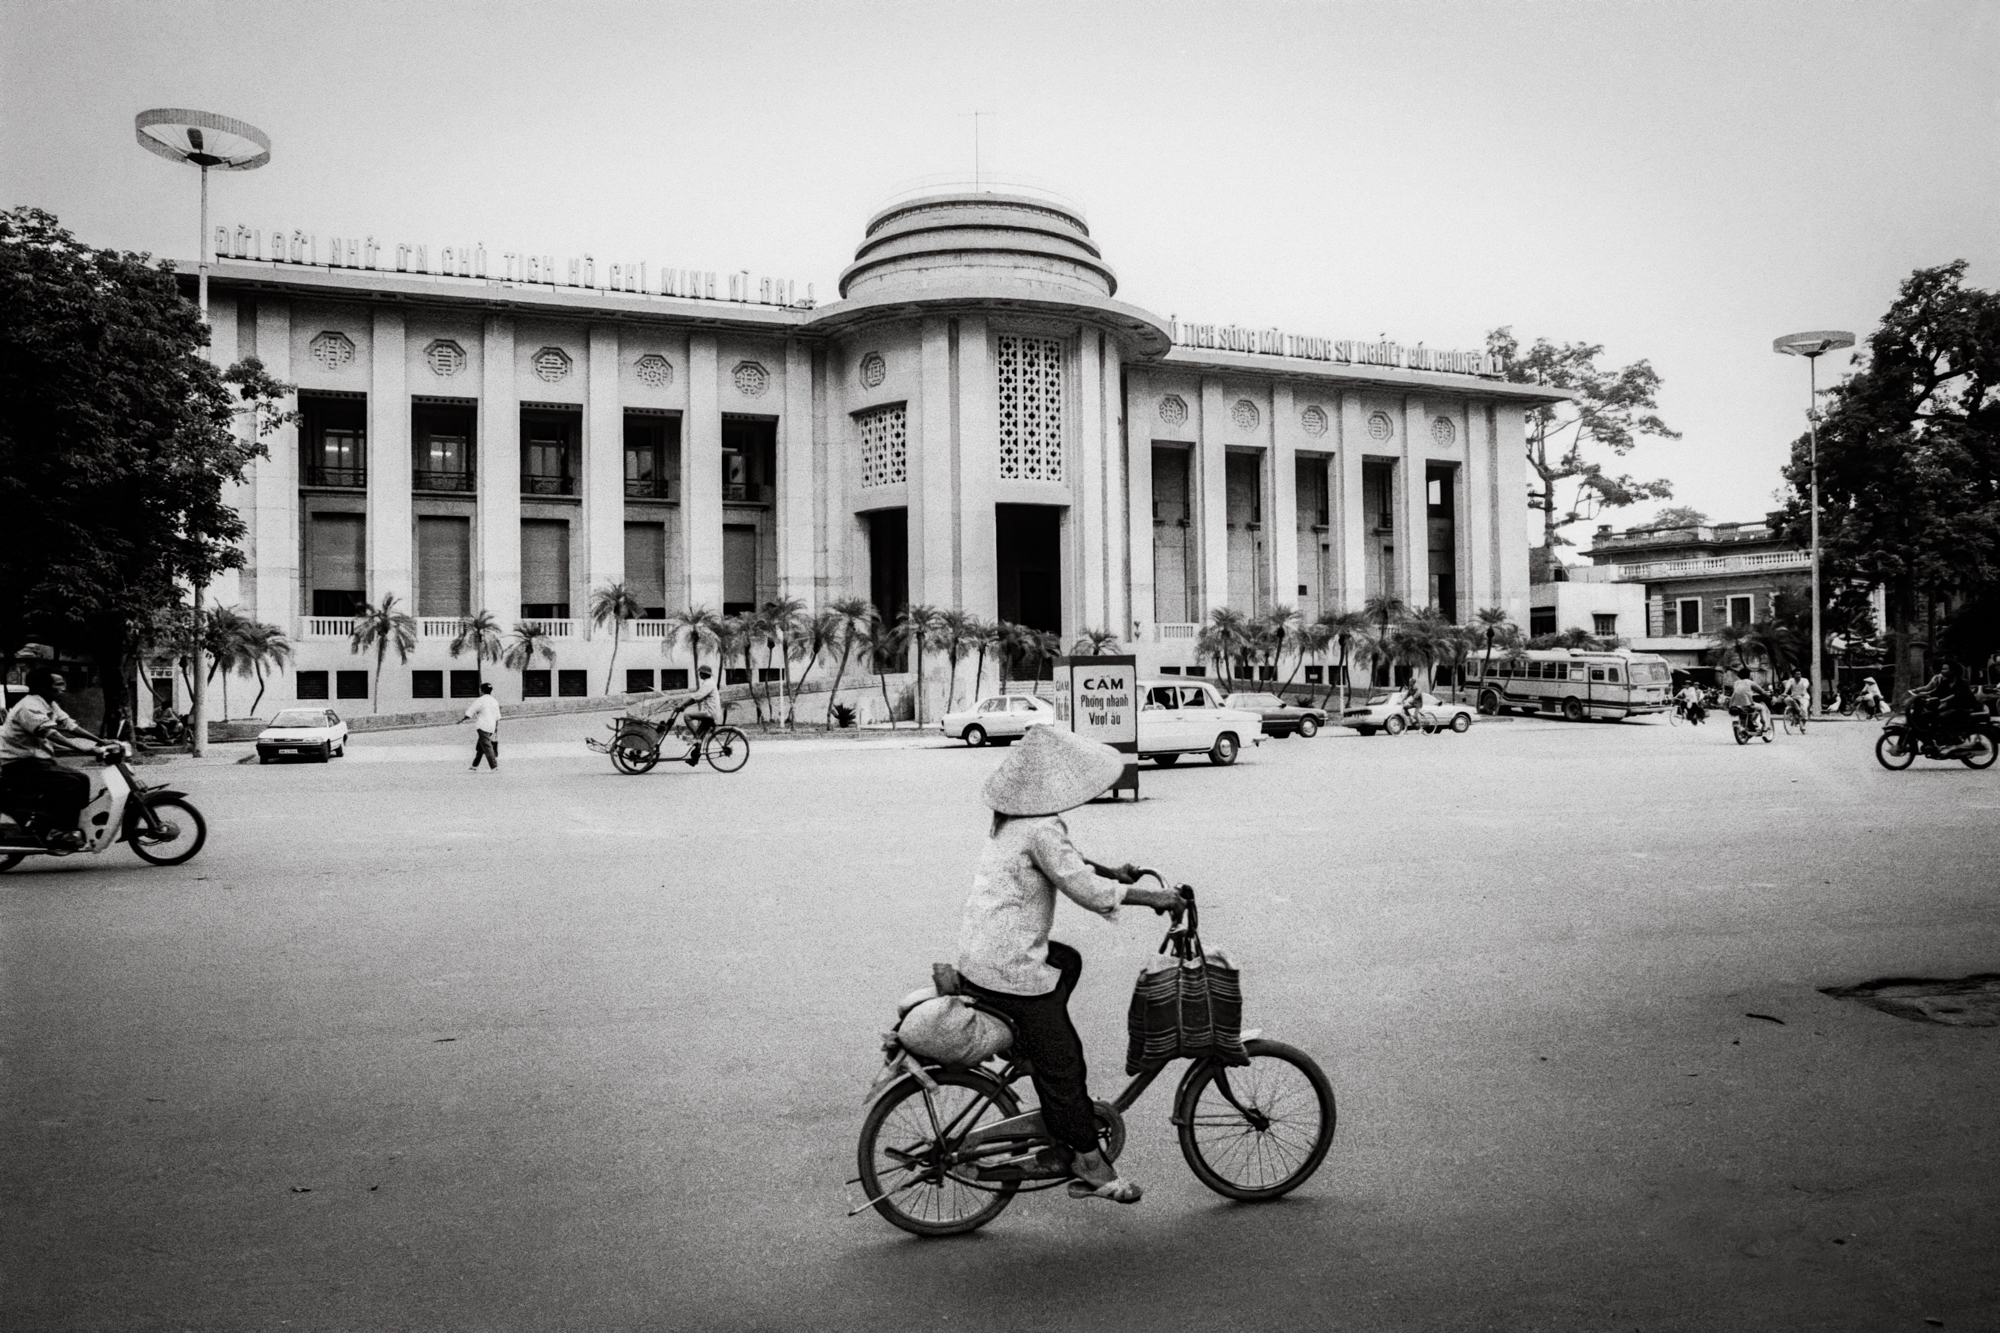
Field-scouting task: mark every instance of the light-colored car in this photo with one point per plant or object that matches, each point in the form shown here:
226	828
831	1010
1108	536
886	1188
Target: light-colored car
1281	718
1000	718
307	732
1385	713
1188	717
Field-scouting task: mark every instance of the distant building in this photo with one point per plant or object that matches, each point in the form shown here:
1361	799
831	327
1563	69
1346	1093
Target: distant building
1697	579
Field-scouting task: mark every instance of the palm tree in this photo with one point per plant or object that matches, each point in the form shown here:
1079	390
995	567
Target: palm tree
954	630
881	642
918	622
1224	639
480	633
1368	650
613	604
528	641
1341	627
1312	640
1383	608
1094	643
816	634
268	648
226	639
1280	627
850	616
1730	647
785	620
698	625
1496	626
983	637
377	629
1027	647
1421	641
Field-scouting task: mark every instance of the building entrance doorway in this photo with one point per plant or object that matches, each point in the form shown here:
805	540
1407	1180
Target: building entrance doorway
889	561
1028	565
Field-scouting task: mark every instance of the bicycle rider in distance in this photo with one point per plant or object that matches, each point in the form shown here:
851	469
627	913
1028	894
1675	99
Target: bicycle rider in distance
699	706
1006	959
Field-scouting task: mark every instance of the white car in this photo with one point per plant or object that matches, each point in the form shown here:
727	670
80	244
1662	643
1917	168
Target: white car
315	732
1385	714
1188	717
1001	718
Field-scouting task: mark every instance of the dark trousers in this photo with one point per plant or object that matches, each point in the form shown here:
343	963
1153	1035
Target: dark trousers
1048	1040
487	747
46	788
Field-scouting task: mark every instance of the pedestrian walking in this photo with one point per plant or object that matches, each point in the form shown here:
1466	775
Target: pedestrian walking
484	715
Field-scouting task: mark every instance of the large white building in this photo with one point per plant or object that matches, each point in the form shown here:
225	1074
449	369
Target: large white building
977	422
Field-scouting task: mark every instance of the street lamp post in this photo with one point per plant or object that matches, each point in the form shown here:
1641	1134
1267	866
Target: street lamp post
202	139
1812	346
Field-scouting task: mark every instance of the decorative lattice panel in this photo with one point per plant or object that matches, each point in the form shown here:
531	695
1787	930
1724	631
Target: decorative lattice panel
1031	408
1173	410
445	358
1443	432
1380	428
885	446
1245	414
654	370
552	364
332	349
1313	419
873	370
750	379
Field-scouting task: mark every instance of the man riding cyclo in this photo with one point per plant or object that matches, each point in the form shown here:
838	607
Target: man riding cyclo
1941	711
1747	701
1692	701
34	730
1870	700
700	707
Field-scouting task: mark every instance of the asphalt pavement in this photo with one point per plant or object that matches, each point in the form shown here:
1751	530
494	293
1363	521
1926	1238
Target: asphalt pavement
551	1048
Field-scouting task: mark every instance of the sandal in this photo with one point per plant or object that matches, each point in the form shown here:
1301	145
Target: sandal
1119	1190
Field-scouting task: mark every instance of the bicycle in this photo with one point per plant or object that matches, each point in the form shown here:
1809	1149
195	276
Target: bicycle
1794	718
636	744
944	1149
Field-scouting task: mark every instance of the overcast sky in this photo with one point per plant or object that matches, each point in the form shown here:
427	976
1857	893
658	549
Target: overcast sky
1679	182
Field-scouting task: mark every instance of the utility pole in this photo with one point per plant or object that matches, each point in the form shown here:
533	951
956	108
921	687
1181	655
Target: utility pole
1812	346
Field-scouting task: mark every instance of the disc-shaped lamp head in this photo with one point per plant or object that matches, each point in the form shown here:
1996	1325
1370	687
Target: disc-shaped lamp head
202	138
1813	343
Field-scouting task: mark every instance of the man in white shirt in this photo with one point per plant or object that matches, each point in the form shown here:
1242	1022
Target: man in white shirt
484	715
34	730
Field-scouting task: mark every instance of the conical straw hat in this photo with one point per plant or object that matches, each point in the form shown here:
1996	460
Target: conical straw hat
1052	770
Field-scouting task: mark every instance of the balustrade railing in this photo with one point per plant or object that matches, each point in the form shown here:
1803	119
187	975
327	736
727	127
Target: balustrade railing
438	627
459	483
537	484
1170	631
1720	564
349	478
651	488
327	627
648	629
555	629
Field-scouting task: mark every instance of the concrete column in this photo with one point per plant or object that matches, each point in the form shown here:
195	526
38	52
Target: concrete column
390	527
1211	477
1281	517
1117	566
226	588
978	469
1352	526
1413	540
794	511
603	535
499	462
275	539
1510	473
701	475
1476	513
933	531
1087	488
1139	506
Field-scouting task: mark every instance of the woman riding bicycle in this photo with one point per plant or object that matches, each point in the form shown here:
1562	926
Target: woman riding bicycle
1005	955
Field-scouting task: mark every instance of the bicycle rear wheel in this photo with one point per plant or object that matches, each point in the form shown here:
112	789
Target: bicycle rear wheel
1256	1132
905	1164
1794	725
726	749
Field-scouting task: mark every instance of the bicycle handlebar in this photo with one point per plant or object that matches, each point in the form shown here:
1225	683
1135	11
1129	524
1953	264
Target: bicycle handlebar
1186	891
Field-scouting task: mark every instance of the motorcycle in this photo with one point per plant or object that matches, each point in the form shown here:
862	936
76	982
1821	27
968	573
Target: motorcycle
161	825
1758	723
1902	740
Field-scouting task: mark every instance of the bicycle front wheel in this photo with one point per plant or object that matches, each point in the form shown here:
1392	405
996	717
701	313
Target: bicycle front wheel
907	1166
726	749
1257	1132
1794	725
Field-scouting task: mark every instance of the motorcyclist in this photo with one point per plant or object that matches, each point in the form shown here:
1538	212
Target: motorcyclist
1746	701
1943	707
35	729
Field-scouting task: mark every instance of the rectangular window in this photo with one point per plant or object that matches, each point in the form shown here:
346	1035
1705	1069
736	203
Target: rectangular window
544	569
427	684
350	684
735	675
1030	405
885	445
1740	610
646	567
638	679
1541	621
444	566
1603	626
1690	615
766	675
441	446
739	568
311	684
1313	508
465	684
652	456
549	461
1170	671
749	460
1314	675
535	685
333	440
572	684
674	678
336	561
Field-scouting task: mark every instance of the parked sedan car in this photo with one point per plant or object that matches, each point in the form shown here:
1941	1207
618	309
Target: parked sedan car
1280	718
1383	713
1188	717
314	732
1001	718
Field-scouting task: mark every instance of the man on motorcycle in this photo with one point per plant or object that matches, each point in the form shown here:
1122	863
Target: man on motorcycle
29	738
1745	702
1943	710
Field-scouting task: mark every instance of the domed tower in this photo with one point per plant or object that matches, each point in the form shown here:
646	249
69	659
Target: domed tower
974	410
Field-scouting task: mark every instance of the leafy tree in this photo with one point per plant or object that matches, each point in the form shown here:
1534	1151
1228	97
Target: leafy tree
1612	409
613	604
1909	461
117	436
1678	516
378	627
479	634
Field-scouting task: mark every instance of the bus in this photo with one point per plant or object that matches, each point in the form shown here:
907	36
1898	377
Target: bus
1576	684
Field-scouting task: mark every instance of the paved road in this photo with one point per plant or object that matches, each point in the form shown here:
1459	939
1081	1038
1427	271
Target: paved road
413	1048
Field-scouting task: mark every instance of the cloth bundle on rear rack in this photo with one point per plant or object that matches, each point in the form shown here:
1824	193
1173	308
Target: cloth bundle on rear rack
1189	1007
